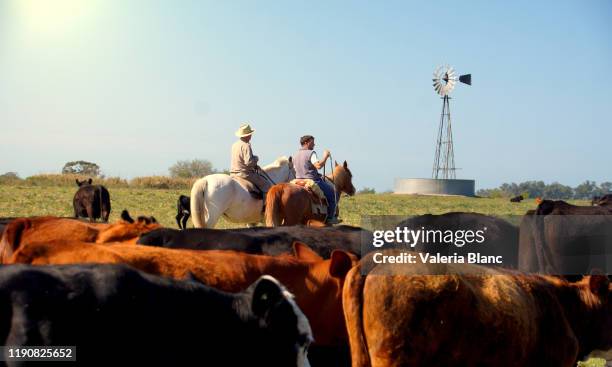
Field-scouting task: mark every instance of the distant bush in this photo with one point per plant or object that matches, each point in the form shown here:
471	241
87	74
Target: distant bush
189	169
69	180
162	182
10	178
366	190
81	168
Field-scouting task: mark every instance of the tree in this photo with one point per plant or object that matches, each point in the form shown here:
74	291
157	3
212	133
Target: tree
558	191
81	168
586	190
366	190
190	169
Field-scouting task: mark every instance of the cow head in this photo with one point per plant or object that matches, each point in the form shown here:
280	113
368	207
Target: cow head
286	325
597	294
127	229
81	183
325	281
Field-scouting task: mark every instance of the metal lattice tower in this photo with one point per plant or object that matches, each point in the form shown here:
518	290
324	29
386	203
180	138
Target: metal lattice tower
444	161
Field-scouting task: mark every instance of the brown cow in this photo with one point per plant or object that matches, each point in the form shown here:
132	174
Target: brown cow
42	229
316	283
500	319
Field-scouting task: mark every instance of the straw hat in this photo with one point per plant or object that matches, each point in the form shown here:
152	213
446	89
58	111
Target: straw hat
244	130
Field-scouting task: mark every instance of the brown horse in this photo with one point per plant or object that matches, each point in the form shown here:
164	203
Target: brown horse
289	204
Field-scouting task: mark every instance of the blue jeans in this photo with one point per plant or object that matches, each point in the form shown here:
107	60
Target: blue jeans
328	190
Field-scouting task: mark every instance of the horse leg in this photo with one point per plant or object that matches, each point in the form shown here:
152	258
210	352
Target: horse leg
185	217
178	220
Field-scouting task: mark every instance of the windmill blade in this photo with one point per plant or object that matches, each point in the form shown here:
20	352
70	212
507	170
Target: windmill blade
466	79
451	72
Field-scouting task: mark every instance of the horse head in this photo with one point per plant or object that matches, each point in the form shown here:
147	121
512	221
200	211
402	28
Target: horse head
343	179
281	170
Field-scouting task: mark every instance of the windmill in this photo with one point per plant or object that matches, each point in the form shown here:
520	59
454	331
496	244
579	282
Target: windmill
444	80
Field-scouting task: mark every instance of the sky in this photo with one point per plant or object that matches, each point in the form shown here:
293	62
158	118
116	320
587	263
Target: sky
137	85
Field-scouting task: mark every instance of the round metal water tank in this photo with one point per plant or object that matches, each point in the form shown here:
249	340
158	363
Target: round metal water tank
430	186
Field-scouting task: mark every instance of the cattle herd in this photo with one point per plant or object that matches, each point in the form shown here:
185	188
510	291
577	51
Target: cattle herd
298	295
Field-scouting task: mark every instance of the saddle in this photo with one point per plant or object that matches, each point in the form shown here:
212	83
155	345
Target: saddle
250	187
317	197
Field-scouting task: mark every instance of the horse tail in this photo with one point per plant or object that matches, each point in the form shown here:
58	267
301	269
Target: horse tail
352	299
274	206
198	203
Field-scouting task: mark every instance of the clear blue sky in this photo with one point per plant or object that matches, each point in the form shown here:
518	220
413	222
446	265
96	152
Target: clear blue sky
137	85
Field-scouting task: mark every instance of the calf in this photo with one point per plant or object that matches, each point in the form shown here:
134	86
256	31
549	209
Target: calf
501	319
183	207
517	199
261	240
115	313
316	283
91	201
40	229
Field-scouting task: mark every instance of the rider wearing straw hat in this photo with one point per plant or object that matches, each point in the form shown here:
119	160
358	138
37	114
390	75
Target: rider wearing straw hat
244	163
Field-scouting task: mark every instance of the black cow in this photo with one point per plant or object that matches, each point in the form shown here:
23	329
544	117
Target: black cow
605	200
115	313
499	237
563	239
91	201
260	240
183	211
517	199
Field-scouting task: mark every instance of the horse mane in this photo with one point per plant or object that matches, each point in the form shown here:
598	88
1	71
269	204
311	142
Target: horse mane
278	163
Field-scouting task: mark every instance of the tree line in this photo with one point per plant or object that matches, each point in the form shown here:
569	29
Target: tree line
531	189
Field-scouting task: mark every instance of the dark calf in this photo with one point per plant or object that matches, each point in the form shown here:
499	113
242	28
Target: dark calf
183	207
91	201
517	199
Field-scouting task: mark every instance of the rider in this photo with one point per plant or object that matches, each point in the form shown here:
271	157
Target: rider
307	165
244	163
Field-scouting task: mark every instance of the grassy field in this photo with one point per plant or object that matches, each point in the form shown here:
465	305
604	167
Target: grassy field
53	200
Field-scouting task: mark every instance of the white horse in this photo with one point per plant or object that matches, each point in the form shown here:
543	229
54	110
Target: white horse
219	194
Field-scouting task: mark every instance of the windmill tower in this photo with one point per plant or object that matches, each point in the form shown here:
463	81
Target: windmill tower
444	80
443	179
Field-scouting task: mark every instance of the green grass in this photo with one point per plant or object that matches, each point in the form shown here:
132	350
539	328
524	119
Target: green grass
24	200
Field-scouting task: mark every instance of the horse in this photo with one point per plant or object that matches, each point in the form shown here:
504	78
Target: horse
219	194
289	204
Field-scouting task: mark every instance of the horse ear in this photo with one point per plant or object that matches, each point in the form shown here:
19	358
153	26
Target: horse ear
290	159
336	163
305	253
345	165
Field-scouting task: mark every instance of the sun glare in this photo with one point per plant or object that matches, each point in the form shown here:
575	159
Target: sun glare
50	17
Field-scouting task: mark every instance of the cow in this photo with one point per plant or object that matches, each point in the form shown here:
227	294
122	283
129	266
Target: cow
502	319
91	201
563	239
500	238
316	283
517	199
261	240
36	229
605	200
183	207
115	313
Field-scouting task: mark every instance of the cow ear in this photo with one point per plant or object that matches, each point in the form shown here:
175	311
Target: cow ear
89	181
267	293
125	215
153	220
345	165
599	284
340	264
77	182
305	253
